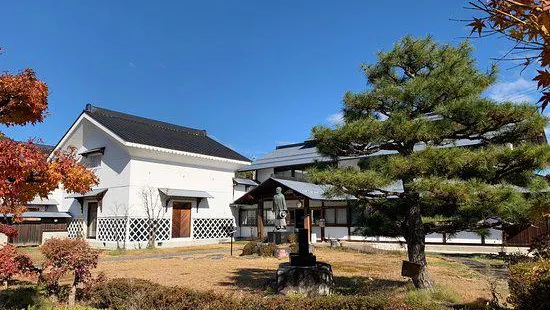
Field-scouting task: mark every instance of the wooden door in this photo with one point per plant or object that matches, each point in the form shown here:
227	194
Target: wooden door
181	220
92	220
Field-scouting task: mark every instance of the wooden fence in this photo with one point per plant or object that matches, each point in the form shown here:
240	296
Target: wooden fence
524	237
30	233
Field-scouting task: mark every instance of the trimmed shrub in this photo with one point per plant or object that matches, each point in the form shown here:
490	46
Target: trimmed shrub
141	294
530	285
67	256
262	249
266	249
249	248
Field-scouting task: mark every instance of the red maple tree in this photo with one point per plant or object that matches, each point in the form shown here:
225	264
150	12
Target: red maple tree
527	24
26	171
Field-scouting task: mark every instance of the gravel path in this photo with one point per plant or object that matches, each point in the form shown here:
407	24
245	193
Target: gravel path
492	270
216	254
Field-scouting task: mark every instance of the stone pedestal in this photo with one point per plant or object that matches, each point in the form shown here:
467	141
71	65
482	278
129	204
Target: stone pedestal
278	237
313	280
281	252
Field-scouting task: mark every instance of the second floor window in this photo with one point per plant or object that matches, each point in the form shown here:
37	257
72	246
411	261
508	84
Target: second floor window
93	160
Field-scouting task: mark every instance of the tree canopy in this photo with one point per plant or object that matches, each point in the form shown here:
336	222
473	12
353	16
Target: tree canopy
26	171
437	156
527	24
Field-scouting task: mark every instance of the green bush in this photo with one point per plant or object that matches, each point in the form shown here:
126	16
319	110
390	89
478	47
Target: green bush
142	294
255	247
529	285
266	249
250	248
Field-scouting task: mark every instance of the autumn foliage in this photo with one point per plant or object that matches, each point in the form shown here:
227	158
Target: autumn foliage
527	23
23	98
26	171
68	256
13	263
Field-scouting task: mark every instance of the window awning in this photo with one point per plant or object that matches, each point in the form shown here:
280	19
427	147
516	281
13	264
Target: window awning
97	194
97	150
184	193
91	194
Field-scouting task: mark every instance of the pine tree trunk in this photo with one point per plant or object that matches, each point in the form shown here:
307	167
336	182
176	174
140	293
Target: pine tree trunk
415	238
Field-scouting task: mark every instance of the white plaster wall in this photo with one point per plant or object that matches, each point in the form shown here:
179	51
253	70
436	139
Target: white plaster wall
238	191
464	237
336	232
247	232
495	237
434	238
183	172
113	173
264	174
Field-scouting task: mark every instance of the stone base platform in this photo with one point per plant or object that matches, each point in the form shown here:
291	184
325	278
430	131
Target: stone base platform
309	281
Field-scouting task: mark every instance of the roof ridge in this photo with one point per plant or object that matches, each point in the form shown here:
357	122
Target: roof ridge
144	120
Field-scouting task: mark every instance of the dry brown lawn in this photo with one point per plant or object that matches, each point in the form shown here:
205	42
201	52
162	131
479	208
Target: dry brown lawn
354	272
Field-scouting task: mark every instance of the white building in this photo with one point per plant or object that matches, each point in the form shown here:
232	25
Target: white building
186	176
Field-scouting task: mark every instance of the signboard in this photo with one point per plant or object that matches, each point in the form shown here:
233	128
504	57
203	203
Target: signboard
410	269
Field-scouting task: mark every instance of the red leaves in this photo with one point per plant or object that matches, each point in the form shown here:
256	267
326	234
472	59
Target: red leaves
13	263
8	230
67	255
23	98
477	25
543	78
26	173
527	22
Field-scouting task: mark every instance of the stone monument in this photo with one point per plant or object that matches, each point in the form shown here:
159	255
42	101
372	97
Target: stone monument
280	235
303	274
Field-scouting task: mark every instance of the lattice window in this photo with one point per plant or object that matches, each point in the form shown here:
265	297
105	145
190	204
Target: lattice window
139	229
211	228
111	228
75	229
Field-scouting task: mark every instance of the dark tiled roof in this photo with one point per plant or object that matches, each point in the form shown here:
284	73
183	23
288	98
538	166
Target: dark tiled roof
46	149
146	131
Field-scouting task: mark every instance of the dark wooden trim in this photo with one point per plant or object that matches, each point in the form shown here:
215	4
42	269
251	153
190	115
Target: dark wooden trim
348	215
260	218
307	217
323	217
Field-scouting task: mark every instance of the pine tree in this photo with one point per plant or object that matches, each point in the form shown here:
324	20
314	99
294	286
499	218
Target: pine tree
463	159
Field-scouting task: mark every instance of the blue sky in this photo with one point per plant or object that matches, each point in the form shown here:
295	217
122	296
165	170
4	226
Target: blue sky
254	74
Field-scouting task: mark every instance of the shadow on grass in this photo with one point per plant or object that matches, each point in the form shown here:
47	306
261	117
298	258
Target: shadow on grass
251	278
358	285
20	297
262	280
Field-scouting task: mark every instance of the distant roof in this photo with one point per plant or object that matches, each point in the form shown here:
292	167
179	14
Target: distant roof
289	155
47	149
309	190
41	201
147	131
45	214
245	181
305	153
